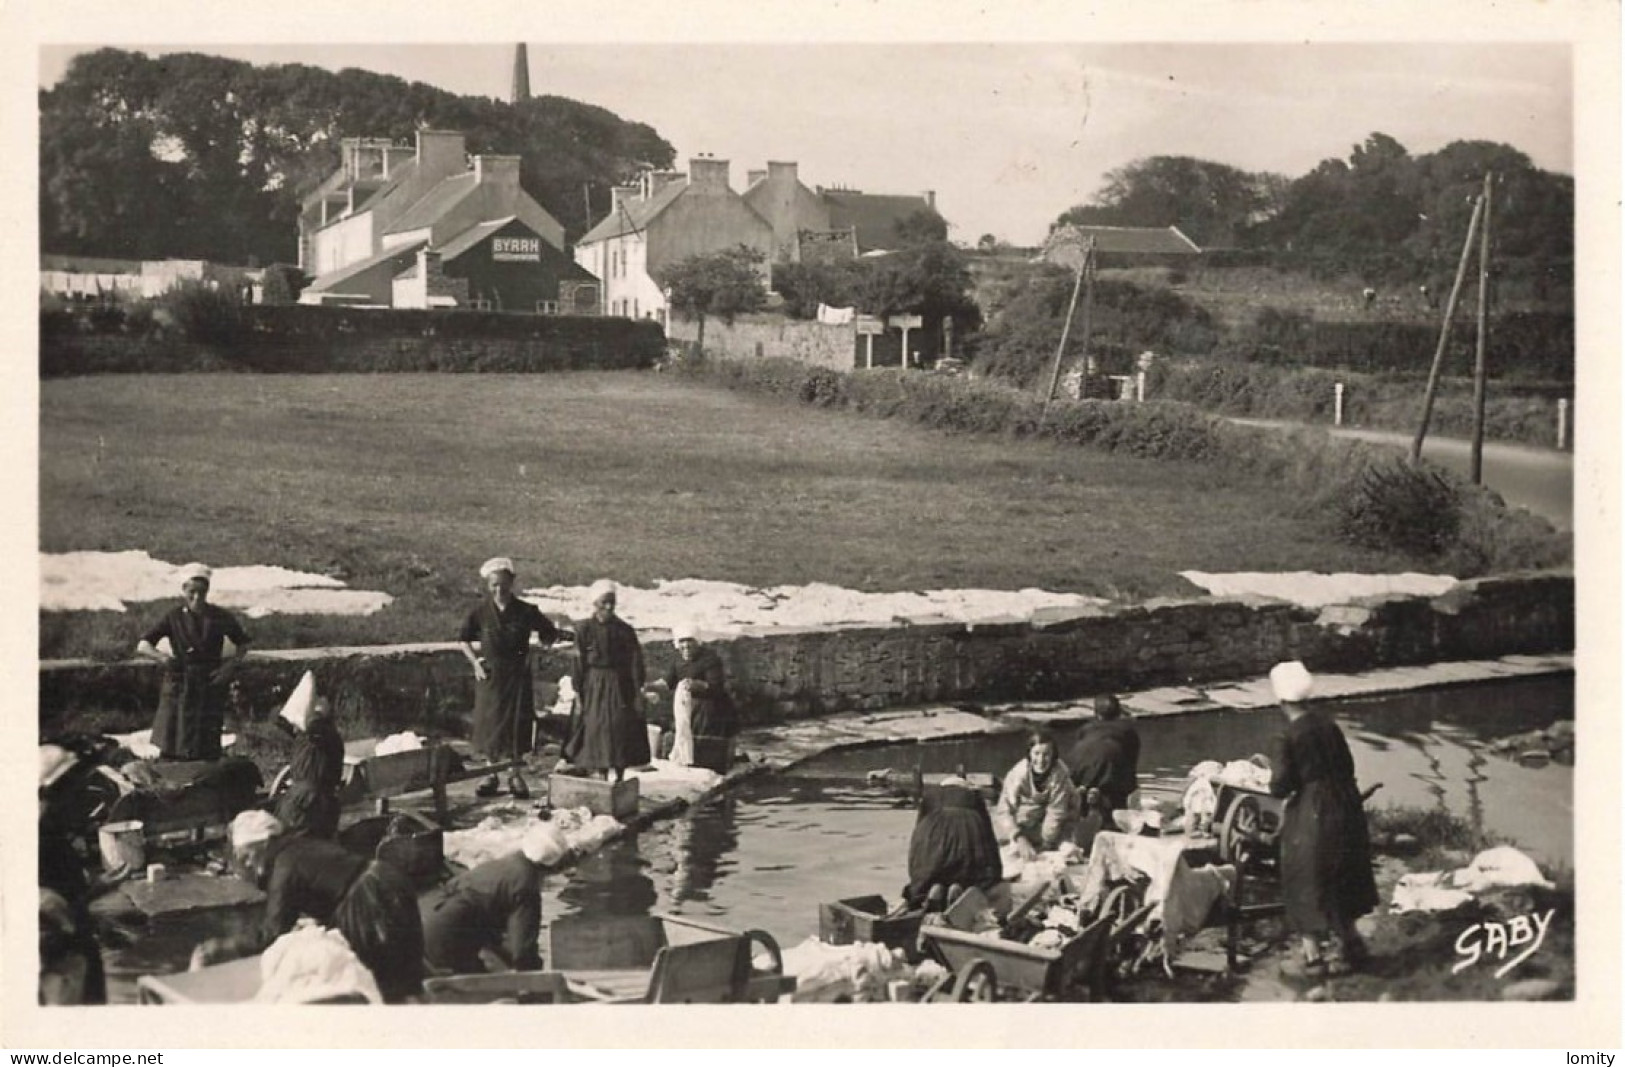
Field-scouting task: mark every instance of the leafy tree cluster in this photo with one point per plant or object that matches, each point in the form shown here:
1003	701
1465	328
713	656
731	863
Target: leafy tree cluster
196	156
723	284
1381	214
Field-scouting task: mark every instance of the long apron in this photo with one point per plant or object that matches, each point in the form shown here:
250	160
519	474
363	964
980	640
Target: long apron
379	917
609	733
504	709
1326	878
191	714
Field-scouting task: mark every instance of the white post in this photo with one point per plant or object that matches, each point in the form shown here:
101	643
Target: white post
1337	404
869	351
1139	388
905	348
1562	423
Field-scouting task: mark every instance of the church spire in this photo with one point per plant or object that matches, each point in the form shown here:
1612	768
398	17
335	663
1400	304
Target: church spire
521	75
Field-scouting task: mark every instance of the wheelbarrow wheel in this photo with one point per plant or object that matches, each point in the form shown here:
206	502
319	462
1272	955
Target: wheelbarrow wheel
976	982
1242	824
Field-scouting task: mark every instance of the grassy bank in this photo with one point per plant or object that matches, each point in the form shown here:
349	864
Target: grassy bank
405	483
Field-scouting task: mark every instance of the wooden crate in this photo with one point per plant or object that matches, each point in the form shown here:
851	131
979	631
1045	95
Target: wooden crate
714	753
619	799
844	922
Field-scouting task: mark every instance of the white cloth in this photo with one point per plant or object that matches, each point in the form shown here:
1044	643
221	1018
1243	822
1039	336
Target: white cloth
494	564
833	316
1503	866
405	741
1426	891
544	844
1291	681
311	963
300	701
859	971
682	712
252	826
1182	896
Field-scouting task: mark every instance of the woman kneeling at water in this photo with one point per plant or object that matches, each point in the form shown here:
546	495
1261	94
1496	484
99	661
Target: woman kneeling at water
953	846
371	902
1038	807
489	918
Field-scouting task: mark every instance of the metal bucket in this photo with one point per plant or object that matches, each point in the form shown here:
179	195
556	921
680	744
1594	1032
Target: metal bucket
123	845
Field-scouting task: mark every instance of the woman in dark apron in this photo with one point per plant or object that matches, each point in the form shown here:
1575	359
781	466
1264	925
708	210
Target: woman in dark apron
197	673
608	733
504	700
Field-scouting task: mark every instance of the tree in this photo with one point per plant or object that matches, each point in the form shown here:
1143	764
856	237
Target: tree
722	284
929	280
1212	203
806	285
922	227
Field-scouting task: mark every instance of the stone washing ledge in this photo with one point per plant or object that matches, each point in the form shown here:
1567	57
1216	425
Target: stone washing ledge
786	744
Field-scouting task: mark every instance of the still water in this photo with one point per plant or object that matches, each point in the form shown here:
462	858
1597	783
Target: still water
767	854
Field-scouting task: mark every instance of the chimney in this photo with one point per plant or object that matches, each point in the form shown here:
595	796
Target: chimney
781	172
521	75
496	170
619	195
708	174
440	154
754	176
931	199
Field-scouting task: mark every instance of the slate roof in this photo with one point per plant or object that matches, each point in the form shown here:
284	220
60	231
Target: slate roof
472	236
634	215
874	215
434	204
1139	240
329	282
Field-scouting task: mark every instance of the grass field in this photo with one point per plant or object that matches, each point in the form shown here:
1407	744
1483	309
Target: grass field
405	483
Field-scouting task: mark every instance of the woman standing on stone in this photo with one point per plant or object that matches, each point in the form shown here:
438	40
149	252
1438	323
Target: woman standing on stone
1326	878
608	732
504	698
197	672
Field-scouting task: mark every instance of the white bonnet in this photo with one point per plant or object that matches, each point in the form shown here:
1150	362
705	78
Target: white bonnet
494	564
544	844
196	570
1291	681
253	826
596	591
685	630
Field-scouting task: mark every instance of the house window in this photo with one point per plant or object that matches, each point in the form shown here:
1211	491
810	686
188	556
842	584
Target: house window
547	307
479	303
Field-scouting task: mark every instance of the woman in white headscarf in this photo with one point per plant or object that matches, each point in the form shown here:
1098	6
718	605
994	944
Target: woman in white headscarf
700	703
489	917
192	705
607	734
1326	879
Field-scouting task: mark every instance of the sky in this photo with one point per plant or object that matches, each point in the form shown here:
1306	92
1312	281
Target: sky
1008	135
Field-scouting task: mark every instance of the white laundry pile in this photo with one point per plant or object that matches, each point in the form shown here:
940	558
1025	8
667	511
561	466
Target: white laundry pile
1500	867
311	963
405	741
682	713
825	973
1028	870
726	607
501	832
664	778
111	581
1312	590
1202	794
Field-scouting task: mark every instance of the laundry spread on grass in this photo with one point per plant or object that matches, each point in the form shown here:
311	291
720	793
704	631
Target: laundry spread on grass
1311	590
726	608
112	581
1500	867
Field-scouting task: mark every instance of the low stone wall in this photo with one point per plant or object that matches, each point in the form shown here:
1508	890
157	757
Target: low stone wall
768	336
787	674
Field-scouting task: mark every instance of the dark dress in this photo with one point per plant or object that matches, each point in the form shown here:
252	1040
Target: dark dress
953	844
713	709
1107	758
609	731
311	803
1326	878
191	707
497	906
505	703
371	902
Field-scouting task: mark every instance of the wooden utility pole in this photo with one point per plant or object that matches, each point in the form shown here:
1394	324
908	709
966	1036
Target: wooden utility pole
1479	372
1060	350
1444	330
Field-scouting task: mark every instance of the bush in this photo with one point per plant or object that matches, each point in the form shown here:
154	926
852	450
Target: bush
1395	504
281	284
205	315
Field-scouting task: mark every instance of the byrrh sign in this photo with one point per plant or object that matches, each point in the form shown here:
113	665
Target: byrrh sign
512	249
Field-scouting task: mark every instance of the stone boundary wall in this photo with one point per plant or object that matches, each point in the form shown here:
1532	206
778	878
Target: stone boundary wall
778	674
769	336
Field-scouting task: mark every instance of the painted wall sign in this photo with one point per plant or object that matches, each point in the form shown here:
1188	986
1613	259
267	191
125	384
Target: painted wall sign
516	249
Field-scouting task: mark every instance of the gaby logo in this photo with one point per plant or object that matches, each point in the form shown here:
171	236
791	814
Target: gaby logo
1498	940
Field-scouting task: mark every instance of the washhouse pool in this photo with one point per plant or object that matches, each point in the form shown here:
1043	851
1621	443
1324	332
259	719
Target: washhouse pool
765	855
768	852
